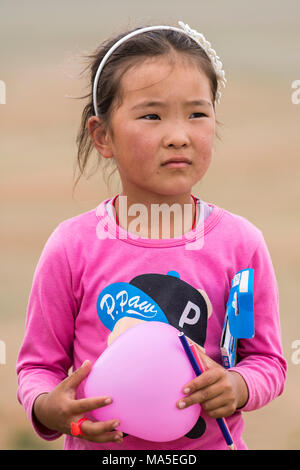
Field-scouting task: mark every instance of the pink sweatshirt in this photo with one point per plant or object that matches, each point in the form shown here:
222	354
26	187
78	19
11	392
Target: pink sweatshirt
66	322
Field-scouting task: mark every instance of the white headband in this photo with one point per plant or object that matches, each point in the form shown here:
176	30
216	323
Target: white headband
192	33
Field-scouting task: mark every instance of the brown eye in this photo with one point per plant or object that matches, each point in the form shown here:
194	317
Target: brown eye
199	115
150	117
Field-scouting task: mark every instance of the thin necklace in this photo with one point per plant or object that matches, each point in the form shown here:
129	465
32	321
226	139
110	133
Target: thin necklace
195	216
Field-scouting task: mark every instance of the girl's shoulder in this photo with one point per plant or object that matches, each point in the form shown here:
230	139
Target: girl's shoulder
79	222
238	229
237	221
73	232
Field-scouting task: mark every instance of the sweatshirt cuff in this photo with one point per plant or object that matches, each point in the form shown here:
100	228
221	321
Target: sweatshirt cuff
250	403
40	429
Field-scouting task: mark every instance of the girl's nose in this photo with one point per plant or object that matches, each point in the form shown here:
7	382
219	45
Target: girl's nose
176	136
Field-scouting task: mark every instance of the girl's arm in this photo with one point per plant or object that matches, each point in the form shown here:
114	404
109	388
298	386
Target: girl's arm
260	359
46	354
46	389
260	373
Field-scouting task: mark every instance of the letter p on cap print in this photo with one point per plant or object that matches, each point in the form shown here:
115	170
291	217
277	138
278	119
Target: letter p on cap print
186	317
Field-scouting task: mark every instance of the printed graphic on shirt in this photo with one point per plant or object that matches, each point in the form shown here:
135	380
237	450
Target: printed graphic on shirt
157	297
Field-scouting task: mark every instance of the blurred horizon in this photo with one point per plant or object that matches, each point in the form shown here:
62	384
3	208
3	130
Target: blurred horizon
239	37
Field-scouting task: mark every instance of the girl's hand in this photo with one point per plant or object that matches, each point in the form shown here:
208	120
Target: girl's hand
219	391
57	410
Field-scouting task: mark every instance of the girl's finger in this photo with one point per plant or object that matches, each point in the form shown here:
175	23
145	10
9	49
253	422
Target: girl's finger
221	412
101	431
201	396
75	379
206	360
84	405
215	403
207	379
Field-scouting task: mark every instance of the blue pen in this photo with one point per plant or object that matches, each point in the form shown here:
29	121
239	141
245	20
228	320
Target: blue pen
221	421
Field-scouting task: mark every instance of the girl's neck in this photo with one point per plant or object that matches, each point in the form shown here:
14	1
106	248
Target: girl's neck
162	217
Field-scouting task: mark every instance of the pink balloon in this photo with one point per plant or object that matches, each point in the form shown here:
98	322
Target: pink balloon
144	371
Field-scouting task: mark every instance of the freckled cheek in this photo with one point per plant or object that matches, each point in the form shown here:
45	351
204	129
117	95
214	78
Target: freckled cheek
142	147
205	146
204	153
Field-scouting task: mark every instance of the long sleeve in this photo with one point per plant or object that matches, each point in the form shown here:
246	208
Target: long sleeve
46	353
261	362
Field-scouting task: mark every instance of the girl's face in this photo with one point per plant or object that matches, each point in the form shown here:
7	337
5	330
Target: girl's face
163	132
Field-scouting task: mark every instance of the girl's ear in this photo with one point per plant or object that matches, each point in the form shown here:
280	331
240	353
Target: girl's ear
100	136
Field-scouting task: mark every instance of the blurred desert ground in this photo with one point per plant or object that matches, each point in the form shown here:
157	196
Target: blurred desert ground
255	172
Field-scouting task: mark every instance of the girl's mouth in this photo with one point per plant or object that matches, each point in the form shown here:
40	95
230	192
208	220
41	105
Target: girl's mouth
176	164
177	161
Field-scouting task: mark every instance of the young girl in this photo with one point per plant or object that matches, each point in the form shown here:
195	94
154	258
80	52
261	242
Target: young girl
152	113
